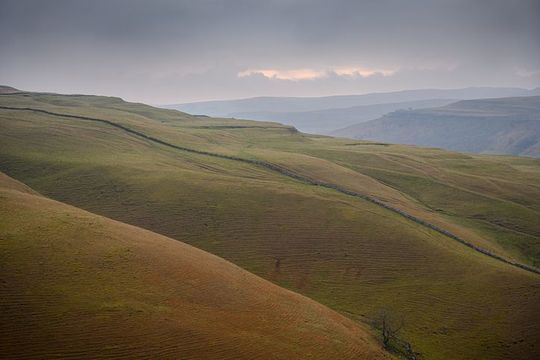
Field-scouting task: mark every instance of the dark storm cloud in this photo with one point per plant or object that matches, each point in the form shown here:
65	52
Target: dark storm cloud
169	51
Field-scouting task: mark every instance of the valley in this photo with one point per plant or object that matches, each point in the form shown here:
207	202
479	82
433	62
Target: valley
299	211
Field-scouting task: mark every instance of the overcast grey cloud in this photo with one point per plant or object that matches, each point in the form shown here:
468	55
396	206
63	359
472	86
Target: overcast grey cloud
175	51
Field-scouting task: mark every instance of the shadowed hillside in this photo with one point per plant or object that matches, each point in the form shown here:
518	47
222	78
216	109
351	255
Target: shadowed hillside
79	285
499	126
299	210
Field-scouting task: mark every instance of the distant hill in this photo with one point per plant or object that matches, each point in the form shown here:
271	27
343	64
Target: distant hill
328	120
498	126
8	90
323	114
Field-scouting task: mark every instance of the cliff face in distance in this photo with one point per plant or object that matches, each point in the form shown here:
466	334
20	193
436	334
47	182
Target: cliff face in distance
496	126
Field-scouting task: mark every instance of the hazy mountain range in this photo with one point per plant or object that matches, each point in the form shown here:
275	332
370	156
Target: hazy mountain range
322	115
326	120
499	126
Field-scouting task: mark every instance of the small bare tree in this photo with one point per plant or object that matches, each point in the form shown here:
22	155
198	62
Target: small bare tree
409	352
388	326
277	264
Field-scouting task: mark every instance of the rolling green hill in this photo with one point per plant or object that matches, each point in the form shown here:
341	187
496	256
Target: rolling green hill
360	227
498	126
78	285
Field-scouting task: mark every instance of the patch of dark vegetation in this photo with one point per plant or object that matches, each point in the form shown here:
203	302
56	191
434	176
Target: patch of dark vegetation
370	143
219	127
277	264
19	167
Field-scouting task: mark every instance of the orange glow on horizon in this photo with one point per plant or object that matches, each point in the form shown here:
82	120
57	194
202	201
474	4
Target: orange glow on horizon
311	74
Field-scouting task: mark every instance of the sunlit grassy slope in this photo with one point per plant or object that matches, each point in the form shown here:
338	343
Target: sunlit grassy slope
77	285
340	250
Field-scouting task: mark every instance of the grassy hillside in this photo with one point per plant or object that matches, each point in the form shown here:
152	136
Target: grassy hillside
341	250
79	285
499	126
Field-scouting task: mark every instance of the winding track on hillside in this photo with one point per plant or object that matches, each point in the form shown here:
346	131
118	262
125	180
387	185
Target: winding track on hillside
286	172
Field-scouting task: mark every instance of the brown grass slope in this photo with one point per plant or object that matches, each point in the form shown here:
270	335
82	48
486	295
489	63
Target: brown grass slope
77	285
342	251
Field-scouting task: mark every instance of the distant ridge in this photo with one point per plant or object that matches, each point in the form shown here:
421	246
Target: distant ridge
8	90
322	115
496	126
327	120
288	104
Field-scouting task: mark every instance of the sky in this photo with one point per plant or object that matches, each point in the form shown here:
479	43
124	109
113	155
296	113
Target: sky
165	52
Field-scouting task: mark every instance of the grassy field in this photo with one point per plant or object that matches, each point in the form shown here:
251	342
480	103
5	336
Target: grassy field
347	253
78	285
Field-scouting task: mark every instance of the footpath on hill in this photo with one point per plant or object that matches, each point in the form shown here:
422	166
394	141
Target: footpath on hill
287	172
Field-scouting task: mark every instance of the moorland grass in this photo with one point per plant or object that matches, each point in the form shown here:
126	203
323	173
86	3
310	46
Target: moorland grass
78	285
342	251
